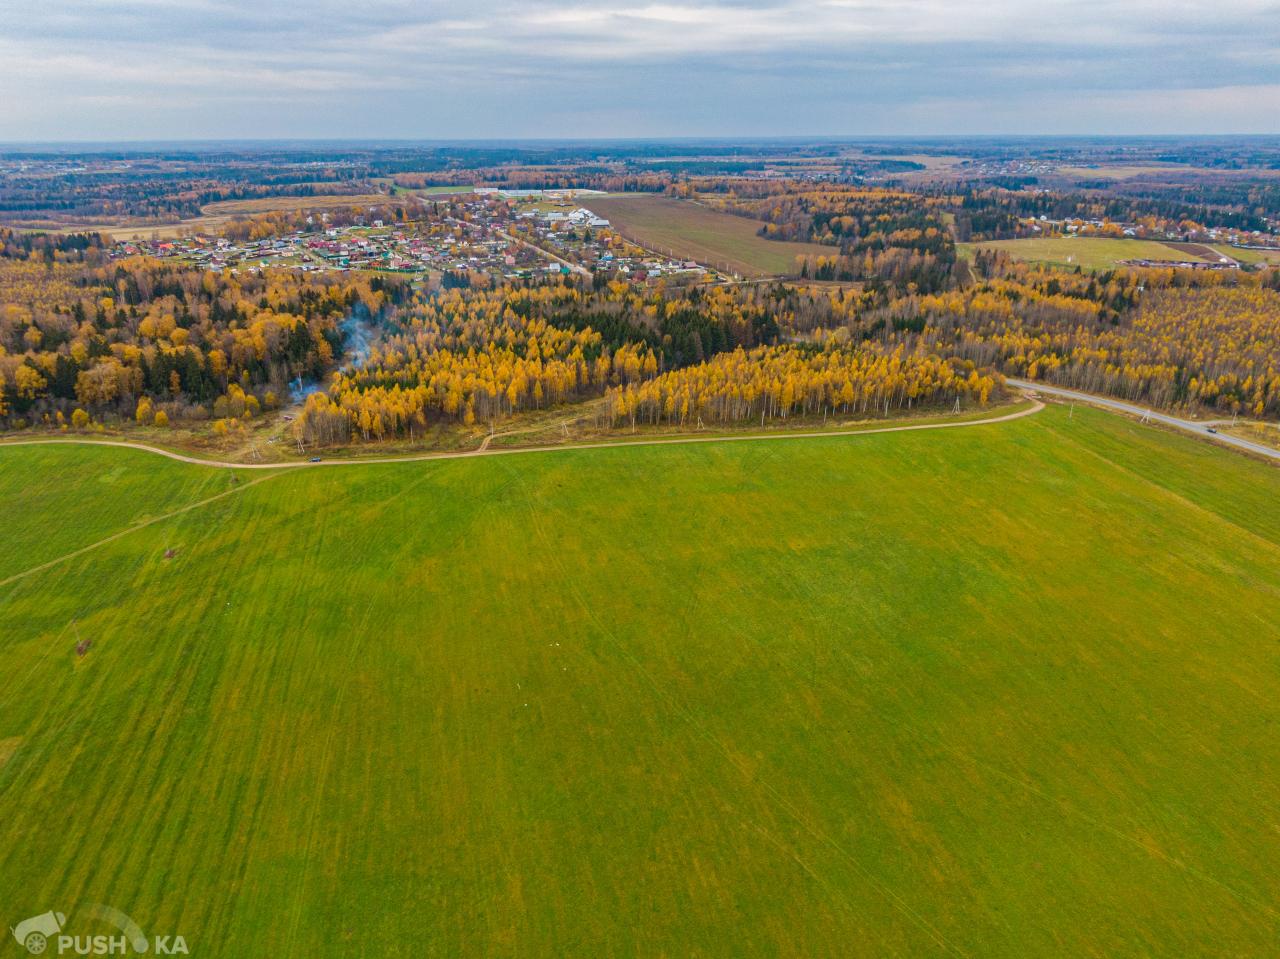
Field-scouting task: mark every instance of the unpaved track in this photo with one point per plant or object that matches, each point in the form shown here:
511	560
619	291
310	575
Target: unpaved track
484	450
132	529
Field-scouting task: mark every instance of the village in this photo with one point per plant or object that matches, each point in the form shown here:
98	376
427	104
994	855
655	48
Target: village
482	238
1184	232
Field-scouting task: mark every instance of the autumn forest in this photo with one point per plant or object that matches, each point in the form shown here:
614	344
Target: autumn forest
891	321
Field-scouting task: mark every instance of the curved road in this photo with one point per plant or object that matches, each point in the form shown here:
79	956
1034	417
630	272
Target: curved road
1198	429
1035	407
1189	426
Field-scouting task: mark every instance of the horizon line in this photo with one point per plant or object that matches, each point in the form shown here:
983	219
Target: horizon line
6	144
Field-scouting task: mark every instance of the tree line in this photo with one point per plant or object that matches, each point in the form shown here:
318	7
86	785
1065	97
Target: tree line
97	335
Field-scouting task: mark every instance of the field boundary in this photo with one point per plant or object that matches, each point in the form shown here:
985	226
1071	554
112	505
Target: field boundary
484	450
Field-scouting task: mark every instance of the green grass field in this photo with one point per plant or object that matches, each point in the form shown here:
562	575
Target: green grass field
1091	253
1009	690
1250	257
703	234
437	190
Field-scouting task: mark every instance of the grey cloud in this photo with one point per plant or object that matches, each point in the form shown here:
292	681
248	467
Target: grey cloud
157	68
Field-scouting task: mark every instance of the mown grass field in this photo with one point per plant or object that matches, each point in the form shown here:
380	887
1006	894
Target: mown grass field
215	216
1009	690
1157	170
1091	253
1251	257
1125	172
698	232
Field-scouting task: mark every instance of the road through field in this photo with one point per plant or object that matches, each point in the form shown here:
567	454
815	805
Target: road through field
588	702
1190	426
484	450
1199	429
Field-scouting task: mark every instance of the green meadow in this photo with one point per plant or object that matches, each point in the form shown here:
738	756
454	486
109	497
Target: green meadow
1009	690
1087	252
1250	257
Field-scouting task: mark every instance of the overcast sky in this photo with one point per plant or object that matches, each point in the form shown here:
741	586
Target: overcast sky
169	69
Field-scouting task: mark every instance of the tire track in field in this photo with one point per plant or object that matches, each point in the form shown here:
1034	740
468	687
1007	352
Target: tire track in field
298	906
1062	804
780	800
132	529
1167	493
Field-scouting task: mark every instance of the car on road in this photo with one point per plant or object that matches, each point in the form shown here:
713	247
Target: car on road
1211	429
315	459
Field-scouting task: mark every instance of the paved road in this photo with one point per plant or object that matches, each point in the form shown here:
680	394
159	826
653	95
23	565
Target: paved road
484	450
1189	426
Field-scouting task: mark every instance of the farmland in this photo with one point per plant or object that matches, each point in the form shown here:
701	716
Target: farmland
1009	690
697	232
1090	253
215	216
1155	170
1252	257
1120	171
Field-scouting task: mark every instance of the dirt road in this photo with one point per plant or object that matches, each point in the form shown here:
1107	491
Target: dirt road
484	449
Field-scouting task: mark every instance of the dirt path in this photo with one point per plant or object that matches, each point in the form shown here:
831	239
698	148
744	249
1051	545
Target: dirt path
132	529
489	438
484	449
